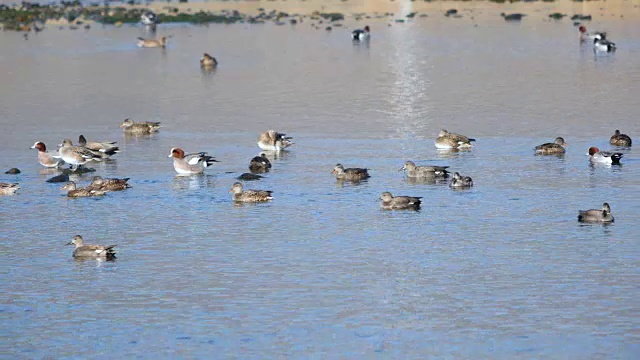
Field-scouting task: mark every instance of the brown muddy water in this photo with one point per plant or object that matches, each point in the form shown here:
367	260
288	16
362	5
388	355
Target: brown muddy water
502	270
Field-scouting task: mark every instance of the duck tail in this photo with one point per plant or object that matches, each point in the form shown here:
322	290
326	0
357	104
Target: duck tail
615	158
470	139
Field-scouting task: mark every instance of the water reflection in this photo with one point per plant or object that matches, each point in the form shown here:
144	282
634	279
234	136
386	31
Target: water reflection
192	182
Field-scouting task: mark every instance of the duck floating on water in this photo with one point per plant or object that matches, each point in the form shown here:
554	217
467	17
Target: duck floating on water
240	195
153	43
361	34
619	139
91	251
596	215
390	202
190	164
590	36
272	140
512	17
45	158
604	157
554	148
208	61
350	174
603	46
447	140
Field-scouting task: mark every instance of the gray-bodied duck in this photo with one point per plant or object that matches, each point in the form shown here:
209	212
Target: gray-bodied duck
414	171
390	202
596	215
448	140
91	251
350	174
241	195
140	128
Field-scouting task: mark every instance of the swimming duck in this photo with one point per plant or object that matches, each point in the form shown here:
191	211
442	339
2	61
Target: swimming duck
414	171
361	34
556	147
272	140
208	61
603	46
152	43
145	127
45	158
76	155
106	149
8	189
604	157
260	164
350	174
240	195
447	140
73	191
596	216
148	18
512	17
619	139
191	163
390	202
460	181
585	36
113	184
91	251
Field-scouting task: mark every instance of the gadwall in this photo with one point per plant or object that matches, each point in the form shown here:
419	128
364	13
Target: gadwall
152	43
91	251
73	191
447	140
76	155
260	164
8	189
190	164
241	195
272	140
361	34
112	184
414	171
594	215
460	181
208	61
45	158
554	148
350	174
145	127
106	148
619	139
604	157
390	202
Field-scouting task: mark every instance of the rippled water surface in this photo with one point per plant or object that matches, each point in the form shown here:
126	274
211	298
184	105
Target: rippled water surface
499	271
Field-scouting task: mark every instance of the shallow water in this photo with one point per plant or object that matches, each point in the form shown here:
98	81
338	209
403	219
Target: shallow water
502	270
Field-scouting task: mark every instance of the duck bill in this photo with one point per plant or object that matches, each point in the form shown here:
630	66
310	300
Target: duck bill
69	243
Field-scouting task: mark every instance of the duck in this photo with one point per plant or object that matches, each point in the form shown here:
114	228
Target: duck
512	17
240	195
45	158
459	181
105	149
191	163
144	128
73	191
208	61
556	147
76	155
148	18
91	251
447	140
260	164
619	139
361	34
604	157
272	140
596	215
8	188
603	46
585	36
390	202
414	171
153	43
350	174
112	184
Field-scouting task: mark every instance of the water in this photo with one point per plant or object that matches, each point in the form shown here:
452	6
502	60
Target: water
499	271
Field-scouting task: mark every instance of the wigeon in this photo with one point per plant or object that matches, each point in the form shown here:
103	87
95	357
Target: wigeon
76	155
604	157
447	140
190	164
272	140
603	46
590	37
45	158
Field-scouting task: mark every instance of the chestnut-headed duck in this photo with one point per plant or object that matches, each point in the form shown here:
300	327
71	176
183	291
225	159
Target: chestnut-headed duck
106	148
112	184
91	251
76	155
448	140
619	139
189	164
272	140
554	148
390	202
590	36
241	195
596	215
208	61
145	127
459	181
414	171
350	174
153	43
8	189
260	164
73	191
361	34
45	158
604	157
